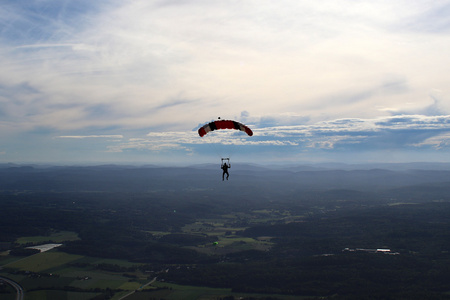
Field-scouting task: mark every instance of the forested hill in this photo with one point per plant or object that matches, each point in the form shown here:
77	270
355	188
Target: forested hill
142	179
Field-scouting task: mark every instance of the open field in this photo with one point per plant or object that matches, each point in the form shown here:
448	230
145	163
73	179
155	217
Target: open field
50	294
86	282
6	259
78	271
181	292
40	284
56	237
228	240
43	261
54	273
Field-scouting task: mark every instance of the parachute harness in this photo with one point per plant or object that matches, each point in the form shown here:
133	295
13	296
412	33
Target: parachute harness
224	124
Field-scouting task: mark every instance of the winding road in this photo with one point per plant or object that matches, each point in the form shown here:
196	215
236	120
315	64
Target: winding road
15	285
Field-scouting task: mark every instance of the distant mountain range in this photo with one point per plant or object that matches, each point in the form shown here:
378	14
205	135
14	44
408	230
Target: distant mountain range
375	177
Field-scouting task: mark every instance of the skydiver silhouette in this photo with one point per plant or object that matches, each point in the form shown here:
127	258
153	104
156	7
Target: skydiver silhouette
225	168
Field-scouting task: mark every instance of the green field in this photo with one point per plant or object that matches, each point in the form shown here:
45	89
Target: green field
182	292
59	275
48	275
55	237
227	239
88	282
51	294
80	274
44	261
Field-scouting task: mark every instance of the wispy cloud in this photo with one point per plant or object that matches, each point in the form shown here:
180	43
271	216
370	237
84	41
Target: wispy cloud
118	136
48	46
352	134
439	142
161	143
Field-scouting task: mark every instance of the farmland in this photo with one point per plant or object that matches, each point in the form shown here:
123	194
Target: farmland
55	237
273	236
58	275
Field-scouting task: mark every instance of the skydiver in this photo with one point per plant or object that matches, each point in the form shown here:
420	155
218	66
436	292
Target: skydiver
225	168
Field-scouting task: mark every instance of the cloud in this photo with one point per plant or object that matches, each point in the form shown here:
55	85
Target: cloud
387	87
174	103
231	57
434	19
166	142
48	46
439	142
117	136
352	134
304	74
387	132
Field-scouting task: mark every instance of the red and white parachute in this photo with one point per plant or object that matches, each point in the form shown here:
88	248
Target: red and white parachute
223	124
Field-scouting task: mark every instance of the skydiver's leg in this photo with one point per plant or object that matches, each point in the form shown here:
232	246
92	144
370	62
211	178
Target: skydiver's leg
223	176
228	175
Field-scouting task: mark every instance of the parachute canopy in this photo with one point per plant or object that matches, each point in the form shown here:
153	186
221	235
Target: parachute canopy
223	124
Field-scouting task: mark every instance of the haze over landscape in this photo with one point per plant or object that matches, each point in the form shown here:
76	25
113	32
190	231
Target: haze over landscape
131	81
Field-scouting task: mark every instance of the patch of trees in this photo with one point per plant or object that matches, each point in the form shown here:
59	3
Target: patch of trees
152	252
23	251
421	228
346	275
307	258
187	239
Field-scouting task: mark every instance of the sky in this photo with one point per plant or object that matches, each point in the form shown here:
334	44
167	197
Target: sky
120	81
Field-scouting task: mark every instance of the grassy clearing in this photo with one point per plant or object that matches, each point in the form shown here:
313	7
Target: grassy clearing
227	239
5	259
56	237
182	292
145	295
44	261
158	233
232	240
130	286
211	227
105	283
46	282
50	294
97	260
79	296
